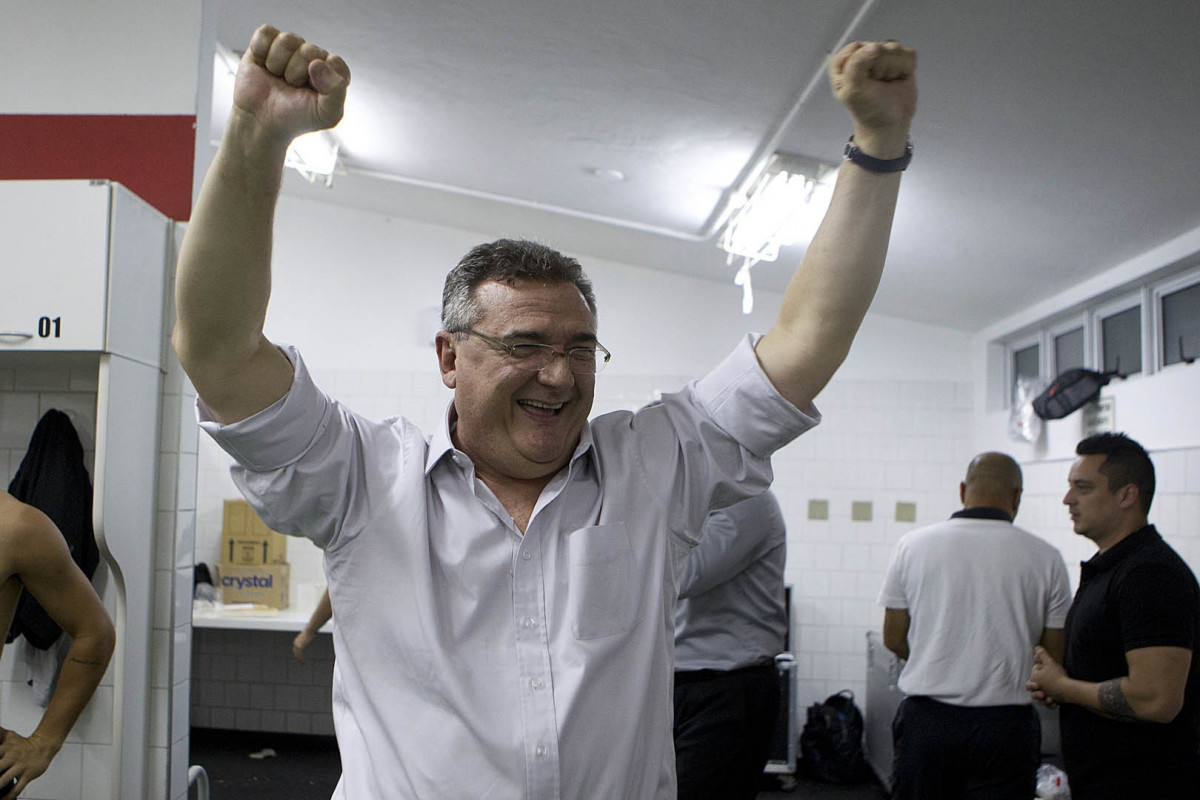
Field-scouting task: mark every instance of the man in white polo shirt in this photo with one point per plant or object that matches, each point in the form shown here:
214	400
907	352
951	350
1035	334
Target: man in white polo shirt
967	600
505	586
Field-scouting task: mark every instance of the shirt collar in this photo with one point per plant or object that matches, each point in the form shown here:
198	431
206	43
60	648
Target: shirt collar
1102	562
982	512
441	445
587	445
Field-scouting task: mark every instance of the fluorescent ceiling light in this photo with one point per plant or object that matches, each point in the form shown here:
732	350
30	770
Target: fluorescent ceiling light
784	206
315	156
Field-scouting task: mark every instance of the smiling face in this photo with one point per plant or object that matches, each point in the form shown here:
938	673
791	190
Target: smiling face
513	423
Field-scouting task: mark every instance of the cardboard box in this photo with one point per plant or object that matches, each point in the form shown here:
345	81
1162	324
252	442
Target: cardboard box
265	585
247	541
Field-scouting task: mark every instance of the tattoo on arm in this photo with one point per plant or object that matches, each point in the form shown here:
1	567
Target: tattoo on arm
90	663
1112	701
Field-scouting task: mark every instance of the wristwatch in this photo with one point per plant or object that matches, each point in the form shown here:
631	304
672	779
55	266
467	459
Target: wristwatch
873	164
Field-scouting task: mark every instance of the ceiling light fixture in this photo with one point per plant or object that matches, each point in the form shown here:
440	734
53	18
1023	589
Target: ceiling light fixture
784	206
315	156
606	174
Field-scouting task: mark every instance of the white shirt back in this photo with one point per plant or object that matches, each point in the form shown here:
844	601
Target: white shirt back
979	593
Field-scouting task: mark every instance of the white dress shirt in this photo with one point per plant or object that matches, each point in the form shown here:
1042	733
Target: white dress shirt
474	662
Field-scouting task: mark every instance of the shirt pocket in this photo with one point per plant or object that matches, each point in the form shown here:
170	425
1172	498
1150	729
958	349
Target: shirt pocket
601	598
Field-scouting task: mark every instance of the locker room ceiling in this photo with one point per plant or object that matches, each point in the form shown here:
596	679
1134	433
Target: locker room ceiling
1053	140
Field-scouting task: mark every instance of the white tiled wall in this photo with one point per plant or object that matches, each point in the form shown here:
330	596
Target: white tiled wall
171	638
1175	510
248	680
881	443
67	383
910	442
26	394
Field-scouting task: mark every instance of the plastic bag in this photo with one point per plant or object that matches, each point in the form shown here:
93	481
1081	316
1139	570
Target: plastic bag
1024	424
1052	783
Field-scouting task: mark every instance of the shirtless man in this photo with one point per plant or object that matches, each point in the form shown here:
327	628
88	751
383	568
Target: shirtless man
34	555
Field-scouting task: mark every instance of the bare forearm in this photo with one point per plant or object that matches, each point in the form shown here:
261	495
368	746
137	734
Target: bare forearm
828	297
842	267
1118	698
830	293
1111	700
321	614
82	670
1054	643
899	647
896	622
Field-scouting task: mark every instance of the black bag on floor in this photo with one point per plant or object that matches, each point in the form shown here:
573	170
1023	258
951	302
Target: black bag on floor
831	746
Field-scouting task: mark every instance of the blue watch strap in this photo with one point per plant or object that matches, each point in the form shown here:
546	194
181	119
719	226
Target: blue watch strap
873	164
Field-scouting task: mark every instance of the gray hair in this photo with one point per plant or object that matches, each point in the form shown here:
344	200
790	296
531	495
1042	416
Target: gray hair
507	261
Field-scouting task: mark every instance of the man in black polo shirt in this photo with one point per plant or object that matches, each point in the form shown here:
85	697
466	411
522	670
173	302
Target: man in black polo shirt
1129	686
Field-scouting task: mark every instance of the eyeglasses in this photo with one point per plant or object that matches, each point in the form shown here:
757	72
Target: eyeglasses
536	357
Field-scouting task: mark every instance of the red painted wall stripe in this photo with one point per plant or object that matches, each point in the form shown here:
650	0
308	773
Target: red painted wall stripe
149	154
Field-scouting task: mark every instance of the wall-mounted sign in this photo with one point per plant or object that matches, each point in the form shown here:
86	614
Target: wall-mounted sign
1100	416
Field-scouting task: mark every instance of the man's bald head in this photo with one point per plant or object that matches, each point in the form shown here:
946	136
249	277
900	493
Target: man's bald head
993	481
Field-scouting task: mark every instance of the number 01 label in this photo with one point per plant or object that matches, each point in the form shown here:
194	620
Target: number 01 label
50	328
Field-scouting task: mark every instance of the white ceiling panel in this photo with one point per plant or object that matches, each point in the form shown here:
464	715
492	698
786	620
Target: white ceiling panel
1054	140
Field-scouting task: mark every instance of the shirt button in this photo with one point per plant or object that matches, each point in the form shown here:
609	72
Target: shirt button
535	683
541	750
525	554
527	622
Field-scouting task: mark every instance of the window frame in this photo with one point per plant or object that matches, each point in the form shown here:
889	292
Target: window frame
1184	280
1011	348
1097	314
1063	326
1146	294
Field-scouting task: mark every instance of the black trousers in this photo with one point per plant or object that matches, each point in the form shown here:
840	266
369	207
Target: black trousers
945	751
723	727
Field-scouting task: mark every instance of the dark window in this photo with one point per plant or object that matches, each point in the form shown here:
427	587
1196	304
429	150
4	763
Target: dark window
1026	364
1068	350
1181	324
1121	341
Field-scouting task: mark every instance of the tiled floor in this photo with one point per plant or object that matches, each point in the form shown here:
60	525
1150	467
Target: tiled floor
307	768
